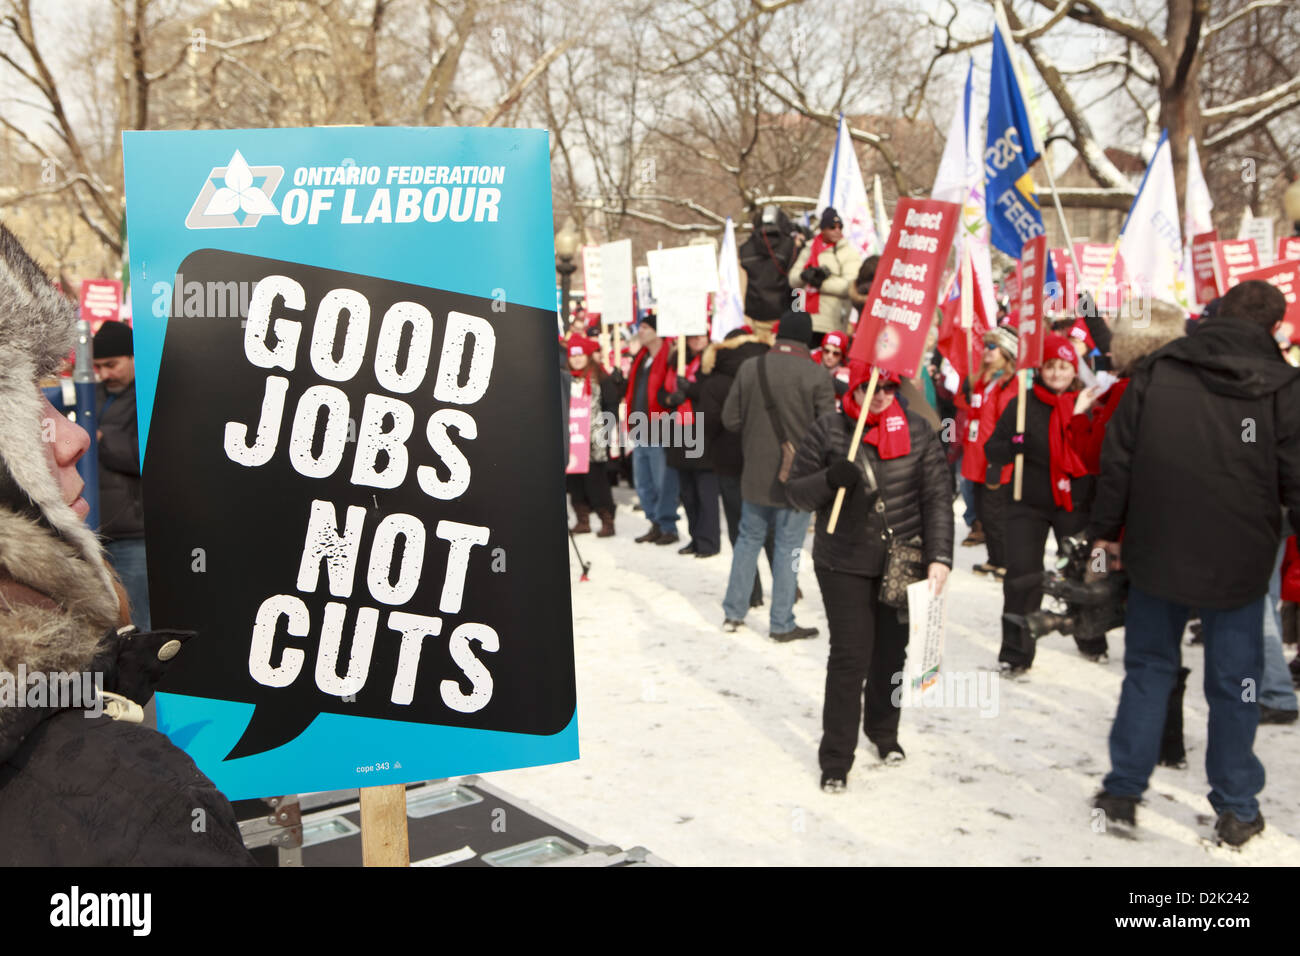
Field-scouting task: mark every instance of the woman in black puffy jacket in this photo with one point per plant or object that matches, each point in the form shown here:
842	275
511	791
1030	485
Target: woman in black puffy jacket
869	639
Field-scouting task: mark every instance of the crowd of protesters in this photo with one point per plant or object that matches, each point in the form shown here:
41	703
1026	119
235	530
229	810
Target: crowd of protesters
779	399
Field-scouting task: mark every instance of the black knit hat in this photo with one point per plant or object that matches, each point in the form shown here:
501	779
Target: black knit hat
831	219
114	339
795	326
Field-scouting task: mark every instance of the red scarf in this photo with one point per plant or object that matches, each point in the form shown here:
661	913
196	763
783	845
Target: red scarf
812	298
585	375
894	439
687	412
1065	463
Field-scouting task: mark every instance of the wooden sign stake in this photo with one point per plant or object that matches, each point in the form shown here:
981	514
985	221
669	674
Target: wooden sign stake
383	826
853	446
1021	375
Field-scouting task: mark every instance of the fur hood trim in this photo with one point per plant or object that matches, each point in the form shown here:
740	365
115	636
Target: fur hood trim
762	334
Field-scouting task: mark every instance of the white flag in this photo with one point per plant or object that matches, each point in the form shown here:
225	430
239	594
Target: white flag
883	223
844	189
1151	242
961	180
1196	218
728	308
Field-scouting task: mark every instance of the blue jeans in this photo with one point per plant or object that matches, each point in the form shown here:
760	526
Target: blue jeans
1275	687
968	499
127	558
1233	662
656	486
789	527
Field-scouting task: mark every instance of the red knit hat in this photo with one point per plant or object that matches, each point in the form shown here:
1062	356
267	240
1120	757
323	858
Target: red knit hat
837	339
1059	347
581	345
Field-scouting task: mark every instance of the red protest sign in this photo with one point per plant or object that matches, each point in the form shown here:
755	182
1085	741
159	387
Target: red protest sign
1094	258
1033	270
1203	274
900	307
101	301
1285	277
1288	247
1062	297
1233	258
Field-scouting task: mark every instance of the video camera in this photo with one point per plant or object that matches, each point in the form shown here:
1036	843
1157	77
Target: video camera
1091	607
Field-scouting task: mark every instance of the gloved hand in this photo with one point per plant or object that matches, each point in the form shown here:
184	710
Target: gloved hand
674	399
814	276
843	474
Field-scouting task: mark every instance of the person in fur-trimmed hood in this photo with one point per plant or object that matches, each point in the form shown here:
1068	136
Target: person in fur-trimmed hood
81	783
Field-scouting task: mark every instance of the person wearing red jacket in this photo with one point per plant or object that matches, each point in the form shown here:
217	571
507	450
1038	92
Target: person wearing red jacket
990	394
656	483
1056	491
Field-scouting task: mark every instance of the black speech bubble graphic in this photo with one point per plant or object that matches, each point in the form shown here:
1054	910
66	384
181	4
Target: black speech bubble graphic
251	522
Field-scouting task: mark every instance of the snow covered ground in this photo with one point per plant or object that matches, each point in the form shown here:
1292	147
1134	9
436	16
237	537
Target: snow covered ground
702	746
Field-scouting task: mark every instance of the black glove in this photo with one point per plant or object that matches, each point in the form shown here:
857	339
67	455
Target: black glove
673	399
814	276
843	474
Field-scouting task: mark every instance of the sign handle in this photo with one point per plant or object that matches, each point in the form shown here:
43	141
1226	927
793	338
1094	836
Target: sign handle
1021	375
383	826
853	446
681	357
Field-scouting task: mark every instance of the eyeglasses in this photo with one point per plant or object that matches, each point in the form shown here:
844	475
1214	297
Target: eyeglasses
830	351
887	387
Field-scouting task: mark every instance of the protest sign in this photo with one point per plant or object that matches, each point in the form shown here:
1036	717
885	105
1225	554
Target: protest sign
348	451
1288	247
682	279
616	282
101	301
1233	258
1061	295
1203	269
592	274
1105	284
900	307
927	618
1260	230
1285	277
644	292
579	431
1030	310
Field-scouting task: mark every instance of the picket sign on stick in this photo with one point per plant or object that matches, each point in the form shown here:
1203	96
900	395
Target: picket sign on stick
968	310
383	826
1020	430
681	357
853	445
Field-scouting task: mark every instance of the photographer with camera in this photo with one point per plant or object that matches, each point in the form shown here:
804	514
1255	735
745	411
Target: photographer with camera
1056	492
1201	451
827	267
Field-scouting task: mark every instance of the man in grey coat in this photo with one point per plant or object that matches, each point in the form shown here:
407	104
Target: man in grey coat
797	392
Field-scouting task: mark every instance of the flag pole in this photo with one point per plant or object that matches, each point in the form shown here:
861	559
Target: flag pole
1020	430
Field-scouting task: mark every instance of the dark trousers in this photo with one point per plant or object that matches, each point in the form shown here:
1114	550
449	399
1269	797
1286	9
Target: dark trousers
868	643
699	492
591	489
991	506
1022	590
729	489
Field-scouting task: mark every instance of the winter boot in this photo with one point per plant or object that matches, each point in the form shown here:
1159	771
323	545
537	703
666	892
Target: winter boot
1172	751
1234	831
583	525
606	523
1117	809
976	536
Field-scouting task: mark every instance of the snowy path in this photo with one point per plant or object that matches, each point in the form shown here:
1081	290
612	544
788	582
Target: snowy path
702	746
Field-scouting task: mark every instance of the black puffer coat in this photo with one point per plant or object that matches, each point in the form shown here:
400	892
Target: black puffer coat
121	510
917	490
766	256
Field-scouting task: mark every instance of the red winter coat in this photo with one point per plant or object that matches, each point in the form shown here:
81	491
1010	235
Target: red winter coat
982	418
1291	572
1090	446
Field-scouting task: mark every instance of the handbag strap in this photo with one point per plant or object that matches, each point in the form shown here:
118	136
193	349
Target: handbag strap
872	484
772	415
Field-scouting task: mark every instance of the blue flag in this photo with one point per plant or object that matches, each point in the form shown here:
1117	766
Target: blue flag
1013	214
